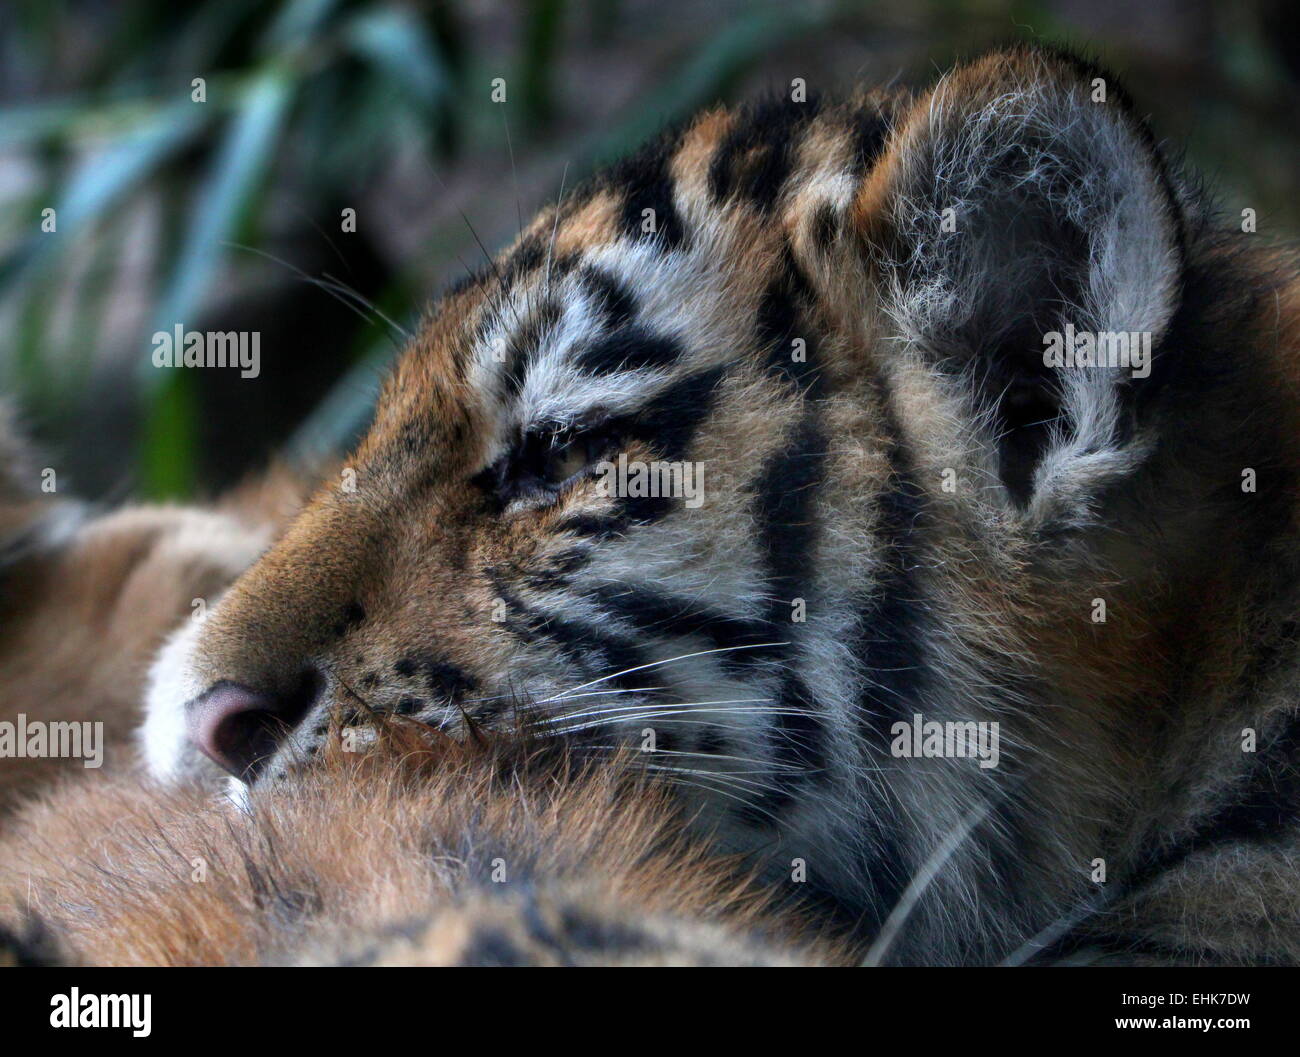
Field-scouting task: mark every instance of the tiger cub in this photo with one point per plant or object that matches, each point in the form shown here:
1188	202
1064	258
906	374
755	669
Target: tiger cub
908	483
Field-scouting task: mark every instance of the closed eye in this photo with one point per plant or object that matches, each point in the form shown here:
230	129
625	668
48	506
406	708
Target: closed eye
544	460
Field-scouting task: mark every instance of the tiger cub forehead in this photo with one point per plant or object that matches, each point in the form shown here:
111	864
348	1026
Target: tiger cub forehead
655	269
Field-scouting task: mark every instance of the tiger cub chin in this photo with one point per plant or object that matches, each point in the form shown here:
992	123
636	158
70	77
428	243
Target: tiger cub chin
908	482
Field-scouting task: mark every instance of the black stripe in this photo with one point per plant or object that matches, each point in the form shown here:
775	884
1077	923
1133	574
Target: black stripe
616	302
628	512
440	676
493	947
593	526
31	944
527	257
645	182
870	129
891	623
802	740
753	161
668	421
787	489
797	740
659	612
583	930
525	345
781	320
825	227
632	348
559	570
581	643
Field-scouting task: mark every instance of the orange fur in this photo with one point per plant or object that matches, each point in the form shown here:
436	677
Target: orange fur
418	852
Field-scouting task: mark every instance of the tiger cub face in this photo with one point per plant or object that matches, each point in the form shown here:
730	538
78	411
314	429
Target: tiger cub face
755	451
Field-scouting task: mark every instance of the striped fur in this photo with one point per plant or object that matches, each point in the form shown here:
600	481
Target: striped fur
779	294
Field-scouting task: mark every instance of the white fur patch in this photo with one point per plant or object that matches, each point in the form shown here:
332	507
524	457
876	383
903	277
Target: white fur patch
162	736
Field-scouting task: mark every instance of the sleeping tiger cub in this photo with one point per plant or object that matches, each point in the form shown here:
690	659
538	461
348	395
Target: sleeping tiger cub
907	483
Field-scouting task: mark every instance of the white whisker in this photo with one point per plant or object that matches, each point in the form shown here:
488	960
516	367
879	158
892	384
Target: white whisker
695	706
667	660
921	881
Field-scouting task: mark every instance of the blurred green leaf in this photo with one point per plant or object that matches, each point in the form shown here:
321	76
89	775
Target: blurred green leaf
242	159
297	21
394	40
100	181
168	455
31	378
541	33
170	433
36	121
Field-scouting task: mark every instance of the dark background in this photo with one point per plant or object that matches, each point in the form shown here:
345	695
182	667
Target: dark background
226	214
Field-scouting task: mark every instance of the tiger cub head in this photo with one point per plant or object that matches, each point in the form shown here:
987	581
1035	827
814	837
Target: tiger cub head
809	420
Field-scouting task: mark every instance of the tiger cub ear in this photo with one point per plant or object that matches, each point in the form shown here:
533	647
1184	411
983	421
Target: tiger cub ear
1030	242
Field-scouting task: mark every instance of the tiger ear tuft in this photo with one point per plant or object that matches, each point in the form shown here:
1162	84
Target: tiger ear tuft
1020	214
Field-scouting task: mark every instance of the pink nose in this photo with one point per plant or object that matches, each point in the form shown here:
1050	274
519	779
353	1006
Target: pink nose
237	728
